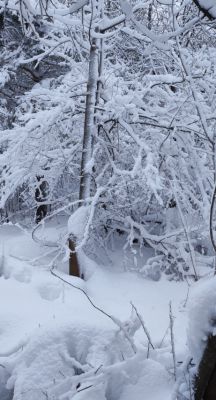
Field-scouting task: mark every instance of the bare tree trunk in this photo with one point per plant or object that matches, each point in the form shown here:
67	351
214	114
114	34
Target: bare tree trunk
150	16
93	95
89	124
205	382
89	129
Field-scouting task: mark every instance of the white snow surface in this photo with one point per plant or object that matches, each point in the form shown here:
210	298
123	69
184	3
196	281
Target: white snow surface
54	344
202	316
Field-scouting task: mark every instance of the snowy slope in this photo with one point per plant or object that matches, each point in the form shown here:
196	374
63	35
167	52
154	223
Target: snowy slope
51	336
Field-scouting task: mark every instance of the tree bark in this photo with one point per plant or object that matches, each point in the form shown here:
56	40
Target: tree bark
89	124
74	268
93	89
89	129
205	381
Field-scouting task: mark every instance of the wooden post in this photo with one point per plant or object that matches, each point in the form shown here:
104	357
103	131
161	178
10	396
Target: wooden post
74	269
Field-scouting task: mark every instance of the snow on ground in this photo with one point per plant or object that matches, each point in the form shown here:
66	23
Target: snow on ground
50	335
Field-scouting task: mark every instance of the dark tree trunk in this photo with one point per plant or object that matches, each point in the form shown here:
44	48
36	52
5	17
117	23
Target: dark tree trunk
205	381
41	193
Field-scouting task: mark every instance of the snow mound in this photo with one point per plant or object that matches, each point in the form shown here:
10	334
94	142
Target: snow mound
154	375
78	221
17	270
55	345
202	316
50	291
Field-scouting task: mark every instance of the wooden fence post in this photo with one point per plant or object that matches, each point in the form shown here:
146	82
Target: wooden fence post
74	268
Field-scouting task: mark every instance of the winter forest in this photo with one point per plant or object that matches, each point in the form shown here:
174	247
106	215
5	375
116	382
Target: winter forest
108	199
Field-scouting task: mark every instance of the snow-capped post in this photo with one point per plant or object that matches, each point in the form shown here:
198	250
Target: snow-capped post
77	231
74	268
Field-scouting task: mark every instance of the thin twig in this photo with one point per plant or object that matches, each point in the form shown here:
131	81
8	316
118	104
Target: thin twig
143	325
172	338
87	387
211	219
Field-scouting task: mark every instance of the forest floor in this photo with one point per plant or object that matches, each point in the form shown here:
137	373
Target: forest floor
48	328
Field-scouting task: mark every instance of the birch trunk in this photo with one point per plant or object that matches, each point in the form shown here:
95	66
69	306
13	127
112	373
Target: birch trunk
89	129
93	94
89	124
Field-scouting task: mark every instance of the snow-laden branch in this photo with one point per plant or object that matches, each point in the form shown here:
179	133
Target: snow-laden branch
208	7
